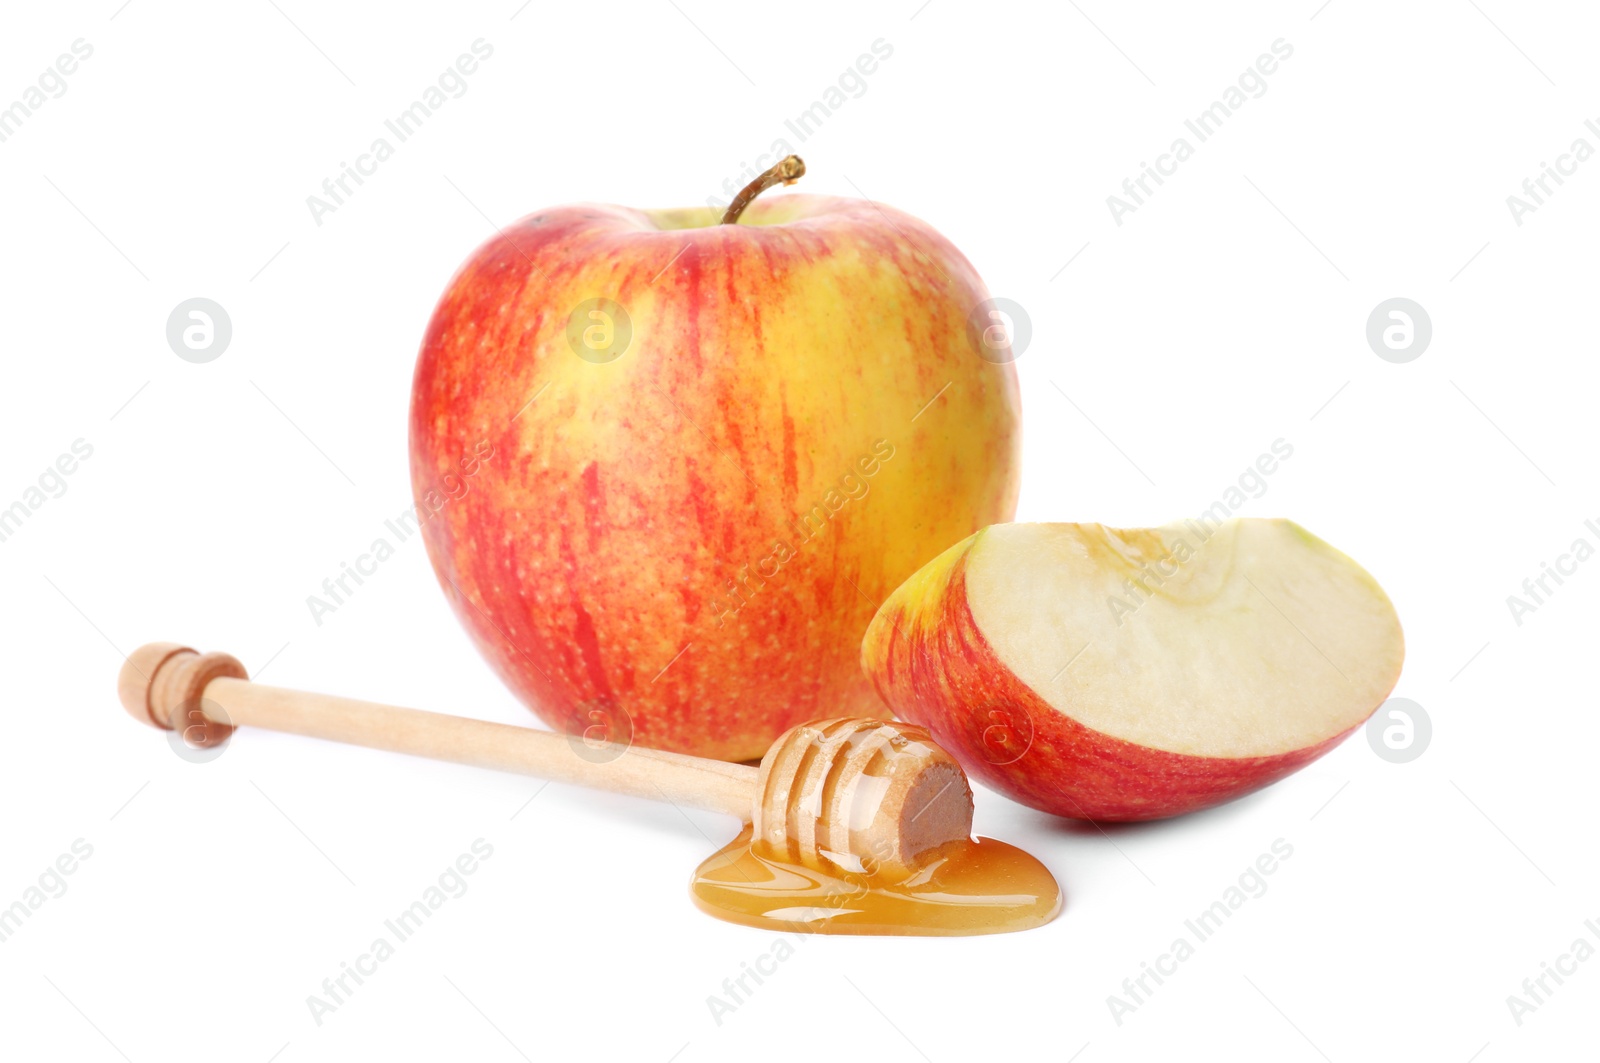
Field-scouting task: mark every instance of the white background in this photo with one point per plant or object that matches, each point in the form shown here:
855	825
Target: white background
1225	313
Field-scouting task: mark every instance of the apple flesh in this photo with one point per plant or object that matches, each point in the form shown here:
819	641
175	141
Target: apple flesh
1108	674
702	453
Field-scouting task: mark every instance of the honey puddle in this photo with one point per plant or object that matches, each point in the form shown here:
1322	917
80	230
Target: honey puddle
965	887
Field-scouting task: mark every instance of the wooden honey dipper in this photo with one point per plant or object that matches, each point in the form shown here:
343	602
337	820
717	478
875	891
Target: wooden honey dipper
863	796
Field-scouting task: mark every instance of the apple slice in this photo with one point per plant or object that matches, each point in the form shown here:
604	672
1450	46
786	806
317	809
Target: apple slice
1109	674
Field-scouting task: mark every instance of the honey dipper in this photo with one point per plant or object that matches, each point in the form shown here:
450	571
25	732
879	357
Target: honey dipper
855	825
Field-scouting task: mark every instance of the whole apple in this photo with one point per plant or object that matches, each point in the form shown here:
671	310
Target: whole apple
713	450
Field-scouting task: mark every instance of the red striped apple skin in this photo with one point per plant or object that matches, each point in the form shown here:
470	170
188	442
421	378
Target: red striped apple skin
933	667
615	559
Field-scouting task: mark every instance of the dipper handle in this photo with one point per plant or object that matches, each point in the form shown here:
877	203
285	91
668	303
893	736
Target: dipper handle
207	695
866	796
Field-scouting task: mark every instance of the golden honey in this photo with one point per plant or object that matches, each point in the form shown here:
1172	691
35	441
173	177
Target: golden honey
965	887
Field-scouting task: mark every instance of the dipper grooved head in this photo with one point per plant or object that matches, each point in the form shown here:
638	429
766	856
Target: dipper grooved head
162	684
859	795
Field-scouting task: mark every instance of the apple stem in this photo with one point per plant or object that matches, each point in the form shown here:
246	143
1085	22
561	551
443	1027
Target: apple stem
786	172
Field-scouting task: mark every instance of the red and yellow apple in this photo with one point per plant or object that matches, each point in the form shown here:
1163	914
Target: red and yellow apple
715	448
1109	674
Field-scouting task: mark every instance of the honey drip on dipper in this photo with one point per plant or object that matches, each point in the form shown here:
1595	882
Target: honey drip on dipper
862	827
856	826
